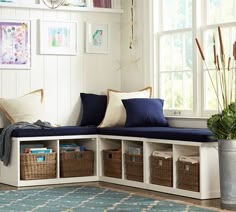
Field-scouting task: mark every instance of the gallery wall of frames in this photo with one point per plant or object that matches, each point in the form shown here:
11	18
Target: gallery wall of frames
64	51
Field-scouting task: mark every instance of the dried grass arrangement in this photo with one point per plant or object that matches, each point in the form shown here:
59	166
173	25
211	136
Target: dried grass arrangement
226	73
223	124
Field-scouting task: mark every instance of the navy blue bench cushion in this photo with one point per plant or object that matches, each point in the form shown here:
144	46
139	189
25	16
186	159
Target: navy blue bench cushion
171	133
55	131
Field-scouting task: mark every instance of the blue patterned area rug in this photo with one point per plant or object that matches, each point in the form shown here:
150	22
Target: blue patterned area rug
85	198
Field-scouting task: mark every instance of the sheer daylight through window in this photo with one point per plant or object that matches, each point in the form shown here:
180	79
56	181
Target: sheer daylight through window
183	81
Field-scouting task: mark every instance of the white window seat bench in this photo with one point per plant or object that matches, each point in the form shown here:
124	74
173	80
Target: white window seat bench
182	141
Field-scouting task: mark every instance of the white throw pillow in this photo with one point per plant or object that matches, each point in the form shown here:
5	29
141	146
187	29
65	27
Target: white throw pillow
27	108
115	113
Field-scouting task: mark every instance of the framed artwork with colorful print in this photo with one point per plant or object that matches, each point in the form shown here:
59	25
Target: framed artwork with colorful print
15	46
96	38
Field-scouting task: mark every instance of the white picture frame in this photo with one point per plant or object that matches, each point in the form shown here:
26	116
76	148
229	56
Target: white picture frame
58	37
15	44
96	38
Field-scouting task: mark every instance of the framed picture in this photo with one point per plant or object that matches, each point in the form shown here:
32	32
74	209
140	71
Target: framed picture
96	38
15	49
58	38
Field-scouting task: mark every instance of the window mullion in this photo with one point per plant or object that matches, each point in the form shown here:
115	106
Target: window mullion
183	74
172	90
197	20
160	23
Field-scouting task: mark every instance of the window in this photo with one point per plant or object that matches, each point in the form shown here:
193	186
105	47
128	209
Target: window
218	13
183	81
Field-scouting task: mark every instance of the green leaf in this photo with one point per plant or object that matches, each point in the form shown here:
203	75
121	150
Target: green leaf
223	125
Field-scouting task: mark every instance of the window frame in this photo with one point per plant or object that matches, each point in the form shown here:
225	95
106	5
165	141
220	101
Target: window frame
158	31
199	25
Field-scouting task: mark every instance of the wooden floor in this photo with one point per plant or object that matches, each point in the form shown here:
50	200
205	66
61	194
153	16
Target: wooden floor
215	203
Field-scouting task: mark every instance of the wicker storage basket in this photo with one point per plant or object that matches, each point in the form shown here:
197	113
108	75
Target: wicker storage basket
76	164
162	171
188	175
112	163
37	166
134	167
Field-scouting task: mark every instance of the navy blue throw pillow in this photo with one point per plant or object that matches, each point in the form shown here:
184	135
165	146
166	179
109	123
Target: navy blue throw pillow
94	108
144	112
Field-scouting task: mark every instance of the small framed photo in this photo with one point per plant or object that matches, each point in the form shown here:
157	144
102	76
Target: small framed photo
15	49
96	38
58	38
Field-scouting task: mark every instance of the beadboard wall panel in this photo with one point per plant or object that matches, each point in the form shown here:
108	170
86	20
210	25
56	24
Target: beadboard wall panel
51	88
64	77
77	67
64	73
23	82
132	60
9	83
104	69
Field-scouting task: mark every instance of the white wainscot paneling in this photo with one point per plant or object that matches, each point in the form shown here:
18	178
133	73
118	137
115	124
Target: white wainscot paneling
77	86
23	82
51	87
99	73
37	60
63	15
9	85
64	72
103	70
23	14
63	78
8	13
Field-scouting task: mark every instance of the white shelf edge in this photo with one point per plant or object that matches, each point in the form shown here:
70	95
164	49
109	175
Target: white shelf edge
62	8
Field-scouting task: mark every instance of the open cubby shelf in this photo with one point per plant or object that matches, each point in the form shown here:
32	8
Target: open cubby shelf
141	171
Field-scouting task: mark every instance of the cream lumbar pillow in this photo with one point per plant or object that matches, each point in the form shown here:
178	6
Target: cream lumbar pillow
27	108
115	113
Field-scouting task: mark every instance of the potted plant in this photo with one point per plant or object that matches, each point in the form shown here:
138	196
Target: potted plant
223	124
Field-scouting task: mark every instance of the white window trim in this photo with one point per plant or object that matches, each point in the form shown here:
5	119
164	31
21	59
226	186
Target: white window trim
151	64
148	44
185	113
